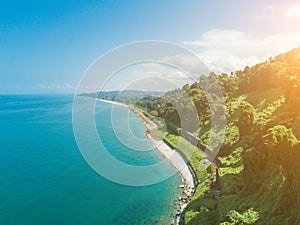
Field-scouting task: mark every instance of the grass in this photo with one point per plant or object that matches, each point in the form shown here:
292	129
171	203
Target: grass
192	153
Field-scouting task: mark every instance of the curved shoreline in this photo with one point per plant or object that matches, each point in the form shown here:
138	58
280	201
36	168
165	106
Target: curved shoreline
112	102
176	160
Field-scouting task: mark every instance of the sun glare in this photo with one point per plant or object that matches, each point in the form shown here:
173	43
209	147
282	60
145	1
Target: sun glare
293	11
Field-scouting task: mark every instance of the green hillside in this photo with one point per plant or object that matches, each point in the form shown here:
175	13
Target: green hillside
260	180
126	96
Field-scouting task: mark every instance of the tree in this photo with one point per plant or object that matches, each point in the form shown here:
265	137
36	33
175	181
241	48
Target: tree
246	118
248	217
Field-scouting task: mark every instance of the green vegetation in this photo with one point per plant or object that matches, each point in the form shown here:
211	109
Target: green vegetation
261	148
236	218
191	152
125	96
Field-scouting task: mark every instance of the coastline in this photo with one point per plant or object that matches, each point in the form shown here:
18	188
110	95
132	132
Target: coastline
172	155
112	102
176	160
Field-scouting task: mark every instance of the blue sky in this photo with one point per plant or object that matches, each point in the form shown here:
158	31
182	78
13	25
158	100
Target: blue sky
45	46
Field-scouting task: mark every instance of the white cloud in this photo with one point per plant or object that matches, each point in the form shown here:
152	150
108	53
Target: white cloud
153	76
292	11
230	50
190	64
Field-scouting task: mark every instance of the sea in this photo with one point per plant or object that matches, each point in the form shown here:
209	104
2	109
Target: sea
45	180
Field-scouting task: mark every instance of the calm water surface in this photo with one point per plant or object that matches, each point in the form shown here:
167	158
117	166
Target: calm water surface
45	180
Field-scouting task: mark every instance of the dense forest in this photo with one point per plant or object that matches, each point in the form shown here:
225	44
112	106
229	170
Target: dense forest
260	179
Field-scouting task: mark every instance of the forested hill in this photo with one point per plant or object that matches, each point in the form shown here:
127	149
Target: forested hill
261	149
125	96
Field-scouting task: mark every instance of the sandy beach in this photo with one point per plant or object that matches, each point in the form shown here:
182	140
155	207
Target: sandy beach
172	155
177	161
112	102
175	158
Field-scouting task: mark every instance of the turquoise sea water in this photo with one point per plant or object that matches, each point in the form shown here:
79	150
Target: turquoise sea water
45	180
